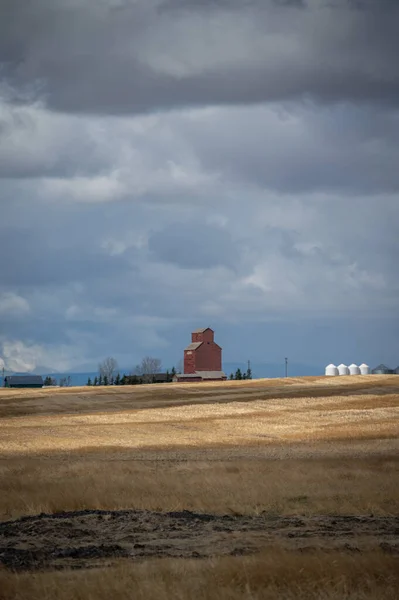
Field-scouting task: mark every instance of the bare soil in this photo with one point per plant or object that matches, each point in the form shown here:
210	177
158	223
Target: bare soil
90	538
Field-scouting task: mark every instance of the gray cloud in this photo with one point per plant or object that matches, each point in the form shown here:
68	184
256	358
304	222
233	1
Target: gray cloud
116	57
293	149
297	259
35	143
194	245
39	259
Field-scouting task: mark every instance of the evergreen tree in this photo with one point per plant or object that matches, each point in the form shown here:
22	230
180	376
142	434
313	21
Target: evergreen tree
173	372
100	380
244	375
238	374
48	381
231	376
89	382
123	380
95	381
249	373
168	378
117	379
105	380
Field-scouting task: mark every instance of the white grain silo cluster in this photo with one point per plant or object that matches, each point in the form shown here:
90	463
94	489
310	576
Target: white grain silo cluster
333	371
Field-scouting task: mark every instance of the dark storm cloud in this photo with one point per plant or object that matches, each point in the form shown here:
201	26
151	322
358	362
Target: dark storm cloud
115	57
224	4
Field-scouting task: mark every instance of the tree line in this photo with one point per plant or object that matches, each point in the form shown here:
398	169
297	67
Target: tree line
109	374
239	375
64	381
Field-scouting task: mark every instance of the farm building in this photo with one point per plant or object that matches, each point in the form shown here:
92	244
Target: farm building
200	376
23	381
203	354
161	377
383	370
156	377
202	358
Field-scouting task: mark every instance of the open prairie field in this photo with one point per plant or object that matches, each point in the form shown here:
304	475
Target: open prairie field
262	489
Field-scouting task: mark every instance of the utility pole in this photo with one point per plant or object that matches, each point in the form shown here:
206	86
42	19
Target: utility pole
286	367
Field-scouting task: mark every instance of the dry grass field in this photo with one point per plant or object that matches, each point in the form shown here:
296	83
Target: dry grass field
292	463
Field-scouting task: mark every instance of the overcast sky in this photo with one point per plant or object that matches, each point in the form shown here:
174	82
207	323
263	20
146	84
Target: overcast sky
173	164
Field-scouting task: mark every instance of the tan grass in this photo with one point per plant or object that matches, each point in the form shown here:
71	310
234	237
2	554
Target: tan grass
273	574
246	486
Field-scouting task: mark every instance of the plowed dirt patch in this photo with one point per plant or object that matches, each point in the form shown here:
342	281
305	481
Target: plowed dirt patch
82	539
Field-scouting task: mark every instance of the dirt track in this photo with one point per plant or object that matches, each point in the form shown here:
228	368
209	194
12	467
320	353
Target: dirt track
88	538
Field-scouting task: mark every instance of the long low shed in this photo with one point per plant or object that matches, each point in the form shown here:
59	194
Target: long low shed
23	381
200	376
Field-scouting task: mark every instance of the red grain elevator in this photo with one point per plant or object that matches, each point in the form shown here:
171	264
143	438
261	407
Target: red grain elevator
203	354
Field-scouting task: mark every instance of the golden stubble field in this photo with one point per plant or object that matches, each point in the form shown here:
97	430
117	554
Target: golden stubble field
306	448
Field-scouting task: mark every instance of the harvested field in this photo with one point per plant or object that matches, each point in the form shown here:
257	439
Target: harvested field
293	466
86	400
221	415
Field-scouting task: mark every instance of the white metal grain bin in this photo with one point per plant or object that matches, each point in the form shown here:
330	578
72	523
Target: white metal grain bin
354	370
364	369
331	371
343	370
